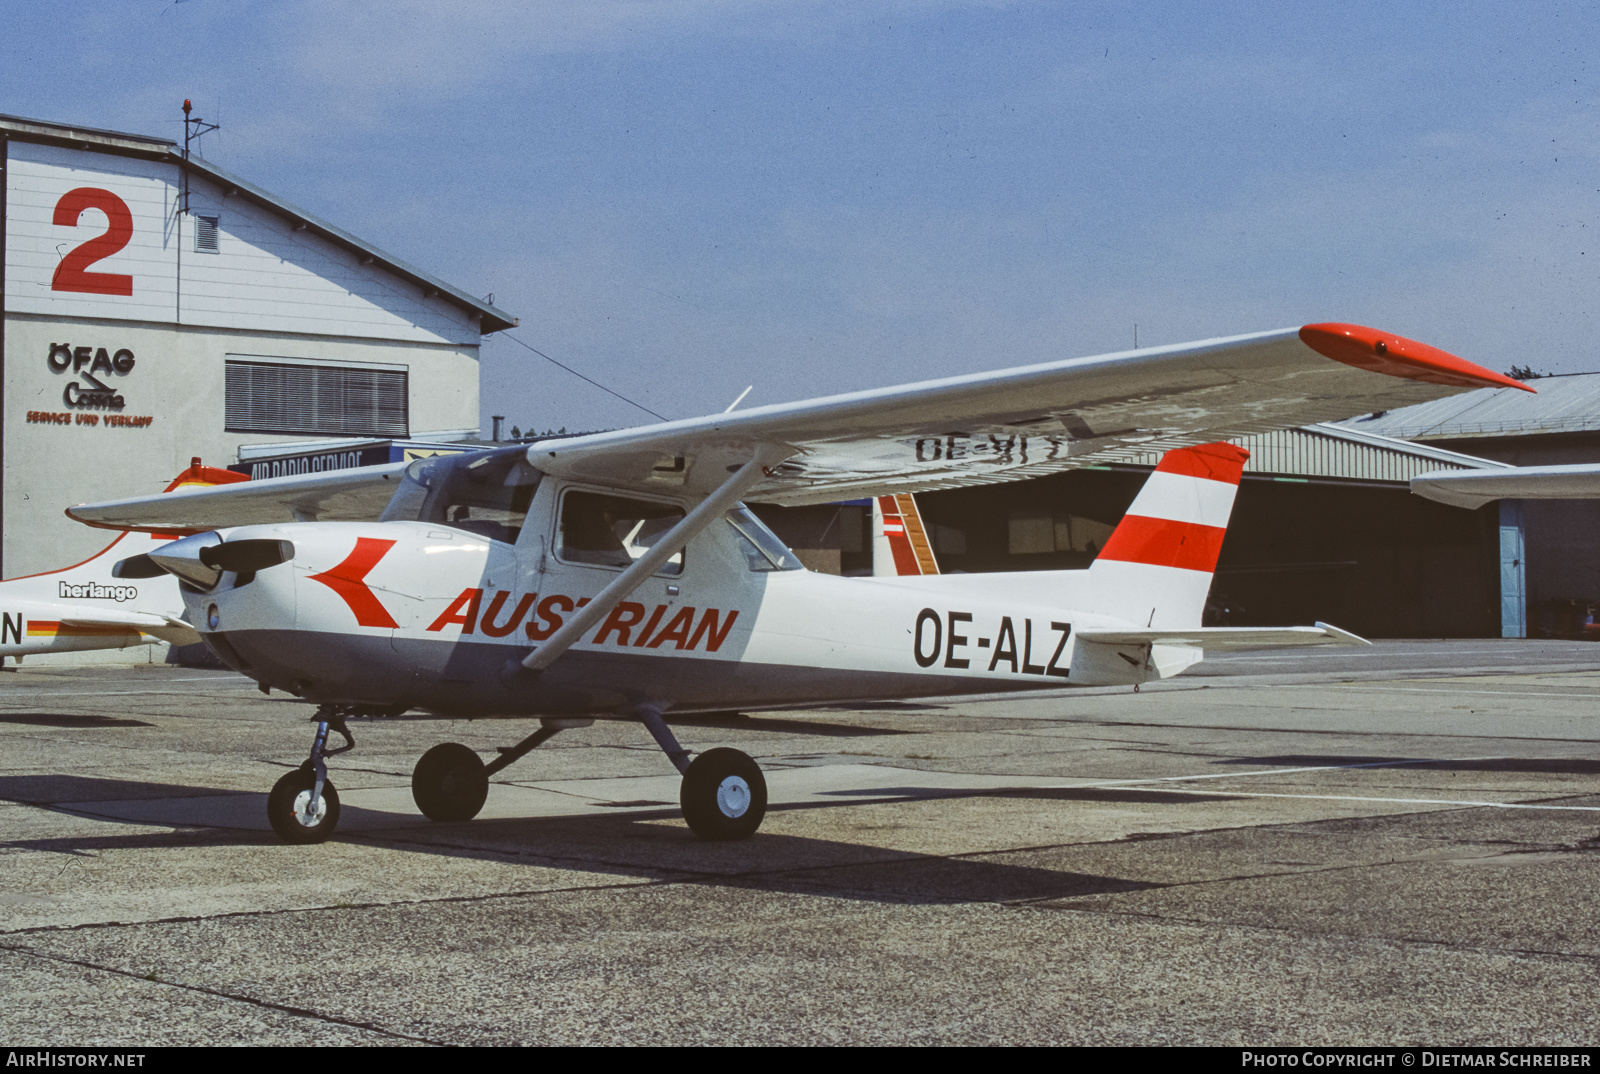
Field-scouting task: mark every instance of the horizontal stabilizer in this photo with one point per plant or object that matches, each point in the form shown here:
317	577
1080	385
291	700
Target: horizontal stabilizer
1228	639
1474	488
166	627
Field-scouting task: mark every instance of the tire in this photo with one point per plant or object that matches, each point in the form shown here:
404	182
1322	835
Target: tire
724	795
449	783
288	799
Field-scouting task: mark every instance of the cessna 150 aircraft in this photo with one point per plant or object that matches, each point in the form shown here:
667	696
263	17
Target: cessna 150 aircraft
84	607
617	574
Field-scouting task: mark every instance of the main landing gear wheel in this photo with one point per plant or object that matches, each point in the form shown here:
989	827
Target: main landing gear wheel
724	795
286	808
450	783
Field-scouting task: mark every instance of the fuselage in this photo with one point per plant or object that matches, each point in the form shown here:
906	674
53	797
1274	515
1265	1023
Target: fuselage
397	615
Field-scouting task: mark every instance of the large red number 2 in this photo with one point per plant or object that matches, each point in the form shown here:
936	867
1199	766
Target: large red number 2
70	274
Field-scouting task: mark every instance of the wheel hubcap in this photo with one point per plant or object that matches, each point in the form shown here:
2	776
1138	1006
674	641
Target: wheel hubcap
733	796
302	801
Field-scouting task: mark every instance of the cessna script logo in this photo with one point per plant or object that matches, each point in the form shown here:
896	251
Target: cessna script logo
630	624
99	362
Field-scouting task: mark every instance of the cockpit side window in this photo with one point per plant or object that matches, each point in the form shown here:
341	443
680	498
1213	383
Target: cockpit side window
763	551
485	493
613	531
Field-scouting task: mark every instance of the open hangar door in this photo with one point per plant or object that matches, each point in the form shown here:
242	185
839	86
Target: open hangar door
1369	557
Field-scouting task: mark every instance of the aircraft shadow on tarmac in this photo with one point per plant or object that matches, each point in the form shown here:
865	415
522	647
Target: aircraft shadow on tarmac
66	719
780	725
1571	766
636	844
55	788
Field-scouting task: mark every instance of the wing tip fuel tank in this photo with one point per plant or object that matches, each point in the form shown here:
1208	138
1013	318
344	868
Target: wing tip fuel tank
1396	356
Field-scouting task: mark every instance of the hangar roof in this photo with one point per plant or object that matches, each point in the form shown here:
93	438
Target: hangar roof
1565	403
162	149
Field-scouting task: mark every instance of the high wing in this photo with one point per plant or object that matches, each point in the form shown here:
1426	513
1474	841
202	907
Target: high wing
1474	488
1018	423
357	495
974	429
1228	639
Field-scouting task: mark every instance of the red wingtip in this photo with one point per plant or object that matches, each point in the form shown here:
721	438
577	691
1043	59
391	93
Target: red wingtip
1381	352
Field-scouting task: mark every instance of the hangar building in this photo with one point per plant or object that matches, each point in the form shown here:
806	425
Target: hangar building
1550	554
157	308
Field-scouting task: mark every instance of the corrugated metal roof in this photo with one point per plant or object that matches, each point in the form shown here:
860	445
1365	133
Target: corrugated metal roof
137	145
1336	453
1564	404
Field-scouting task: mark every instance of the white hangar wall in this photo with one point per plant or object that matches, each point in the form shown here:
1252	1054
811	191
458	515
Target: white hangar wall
123	314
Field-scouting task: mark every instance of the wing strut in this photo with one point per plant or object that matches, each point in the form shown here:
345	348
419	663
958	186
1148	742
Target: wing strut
702	516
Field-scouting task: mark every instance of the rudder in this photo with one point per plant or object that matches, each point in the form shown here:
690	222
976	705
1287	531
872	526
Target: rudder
1155	569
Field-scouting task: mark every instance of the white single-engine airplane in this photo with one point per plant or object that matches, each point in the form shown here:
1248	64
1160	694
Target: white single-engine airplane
617	574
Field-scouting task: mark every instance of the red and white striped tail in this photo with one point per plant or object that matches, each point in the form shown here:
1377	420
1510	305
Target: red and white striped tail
900	544
1156	566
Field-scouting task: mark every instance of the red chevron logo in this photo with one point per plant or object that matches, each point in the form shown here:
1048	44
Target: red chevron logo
347	580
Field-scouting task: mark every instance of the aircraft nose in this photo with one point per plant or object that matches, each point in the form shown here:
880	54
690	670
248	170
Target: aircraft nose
201	559
184	558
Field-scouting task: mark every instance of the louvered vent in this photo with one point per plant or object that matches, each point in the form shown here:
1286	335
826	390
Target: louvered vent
205	234
263	397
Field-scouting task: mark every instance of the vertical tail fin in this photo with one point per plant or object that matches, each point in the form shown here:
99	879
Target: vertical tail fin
200	475
1156	566
900	543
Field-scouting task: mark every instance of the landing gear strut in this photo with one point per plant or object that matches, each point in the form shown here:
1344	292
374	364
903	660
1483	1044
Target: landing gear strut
304	806
451	782
723	793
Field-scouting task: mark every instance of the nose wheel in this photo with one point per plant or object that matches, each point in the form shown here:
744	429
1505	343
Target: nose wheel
303	806
298	814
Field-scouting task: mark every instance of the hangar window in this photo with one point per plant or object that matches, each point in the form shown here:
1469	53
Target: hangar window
300	397
205	234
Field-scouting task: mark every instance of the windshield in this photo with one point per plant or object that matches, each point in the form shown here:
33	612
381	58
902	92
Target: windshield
481	492
762	549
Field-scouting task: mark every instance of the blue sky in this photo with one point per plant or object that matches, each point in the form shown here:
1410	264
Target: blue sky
684	197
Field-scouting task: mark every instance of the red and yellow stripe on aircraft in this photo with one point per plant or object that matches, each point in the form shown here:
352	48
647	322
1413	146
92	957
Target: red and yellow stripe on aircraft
52	628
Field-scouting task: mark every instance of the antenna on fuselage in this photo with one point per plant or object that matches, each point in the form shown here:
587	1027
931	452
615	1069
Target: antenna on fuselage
739	400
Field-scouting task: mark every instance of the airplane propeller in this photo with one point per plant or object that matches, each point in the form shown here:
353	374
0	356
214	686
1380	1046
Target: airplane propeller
200	559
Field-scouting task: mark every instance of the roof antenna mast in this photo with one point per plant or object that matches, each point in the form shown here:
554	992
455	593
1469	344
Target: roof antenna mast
193	128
